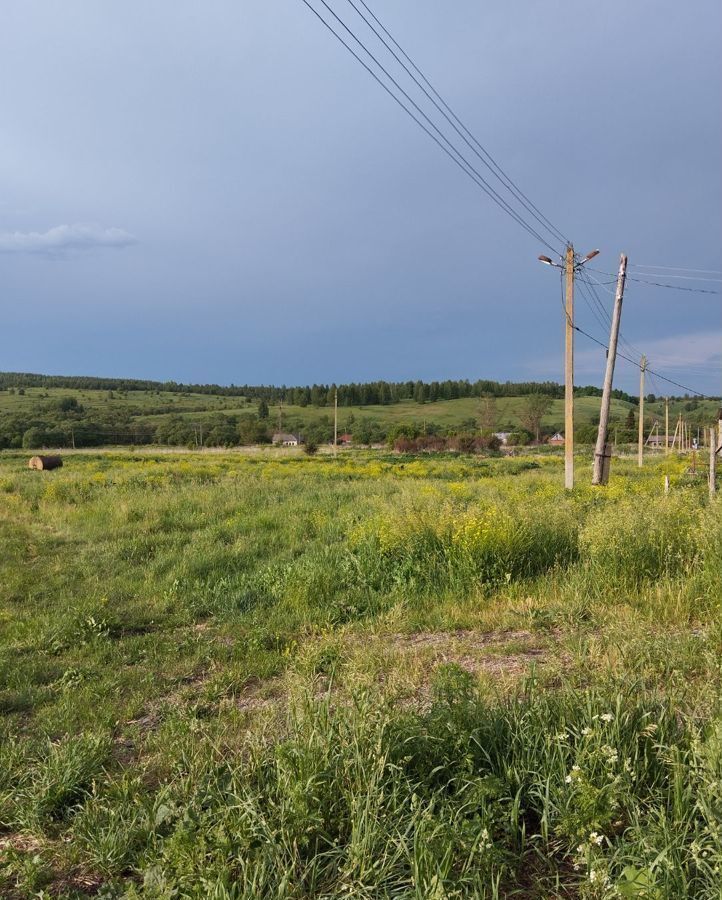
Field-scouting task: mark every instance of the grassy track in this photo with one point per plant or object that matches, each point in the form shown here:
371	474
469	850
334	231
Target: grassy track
270	676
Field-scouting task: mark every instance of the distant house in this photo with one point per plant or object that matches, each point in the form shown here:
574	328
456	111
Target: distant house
345	440
557	439
282	439
502	437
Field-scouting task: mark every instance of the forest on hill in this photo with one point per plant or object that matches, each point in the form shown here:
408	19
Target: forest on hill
369	393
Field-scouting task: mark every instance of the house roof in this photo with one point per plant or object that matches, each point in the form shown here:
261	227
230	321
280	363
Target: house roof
284	436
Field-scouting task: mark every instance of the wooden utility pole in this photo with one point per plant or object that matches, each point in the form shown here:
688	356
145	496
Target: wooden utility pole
712	461
640	450
666	424
335	421
602	447
569	372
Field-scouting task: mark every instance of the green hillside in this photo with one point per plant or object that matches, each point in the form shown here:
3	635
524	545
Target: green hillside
63	416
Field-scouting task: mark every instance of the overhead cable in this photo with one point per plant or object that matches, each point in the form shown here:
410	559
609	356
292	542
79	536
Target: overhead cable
451	151
453	119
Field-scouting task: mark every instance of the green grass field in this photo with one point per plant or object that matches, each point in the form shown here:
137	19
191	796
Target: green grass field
260	675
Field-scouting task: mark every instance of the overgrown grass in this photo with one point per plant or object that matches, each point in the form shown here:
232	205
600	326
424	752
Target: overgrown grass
205	688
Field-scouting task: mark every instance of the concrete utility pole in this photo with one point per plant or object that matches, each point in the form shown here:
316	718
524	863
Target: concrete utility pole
640	450
569	372
602	448
569	266
666	425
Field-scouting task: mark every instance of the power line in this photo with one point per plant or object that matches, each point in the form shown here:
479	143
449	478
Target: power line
589	300
673	287
677	269
462	162
636	363
622	340
453	119
681	277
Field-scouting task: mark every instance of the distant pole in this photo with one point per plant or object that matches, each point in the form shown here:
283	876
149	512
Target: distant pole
712	461
335	421
666	425
640	449
569	371
609	374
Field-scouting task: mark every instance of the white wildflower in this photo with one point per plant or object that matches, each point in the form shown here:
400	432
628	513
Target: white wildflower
607	717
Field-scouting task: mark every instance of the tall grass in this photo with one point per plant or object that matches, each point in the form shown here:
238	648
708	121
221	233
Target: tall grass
594	794
155	612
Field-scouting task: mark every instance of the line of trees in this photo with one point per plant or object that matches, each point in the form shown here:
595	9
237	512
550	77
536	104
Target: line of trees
369	393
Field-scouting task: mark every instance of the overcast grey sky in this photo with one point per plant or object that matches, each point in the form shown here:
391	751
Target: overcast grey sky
217	191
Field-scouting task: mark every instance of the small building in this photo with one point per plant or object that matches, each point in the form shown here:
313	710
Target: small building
282	439
655	440
557	439
502	437
345	440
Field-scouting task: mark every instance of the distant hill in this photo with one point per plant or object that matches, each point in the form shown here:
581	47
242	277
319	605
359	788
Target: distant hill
65	411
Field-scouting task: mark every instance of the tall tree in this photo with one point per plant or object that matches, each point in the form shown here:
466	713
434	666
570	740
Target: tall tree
487	413
534	408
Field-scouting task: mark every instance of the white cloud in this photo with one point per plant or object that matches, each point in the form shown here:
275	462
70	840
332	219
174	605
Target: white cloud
694	354
685	351
64	239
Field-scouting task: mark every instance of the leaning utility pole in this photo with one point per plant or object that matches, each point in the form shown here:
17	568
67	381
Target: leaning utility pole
569	372
640	450
602	448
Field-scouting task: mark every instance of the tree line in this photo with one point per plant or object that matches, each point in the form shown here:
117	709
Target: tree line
370	393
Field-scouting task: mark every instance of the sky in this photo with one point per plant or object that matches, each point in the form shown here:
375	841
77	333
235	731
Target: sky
219	192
